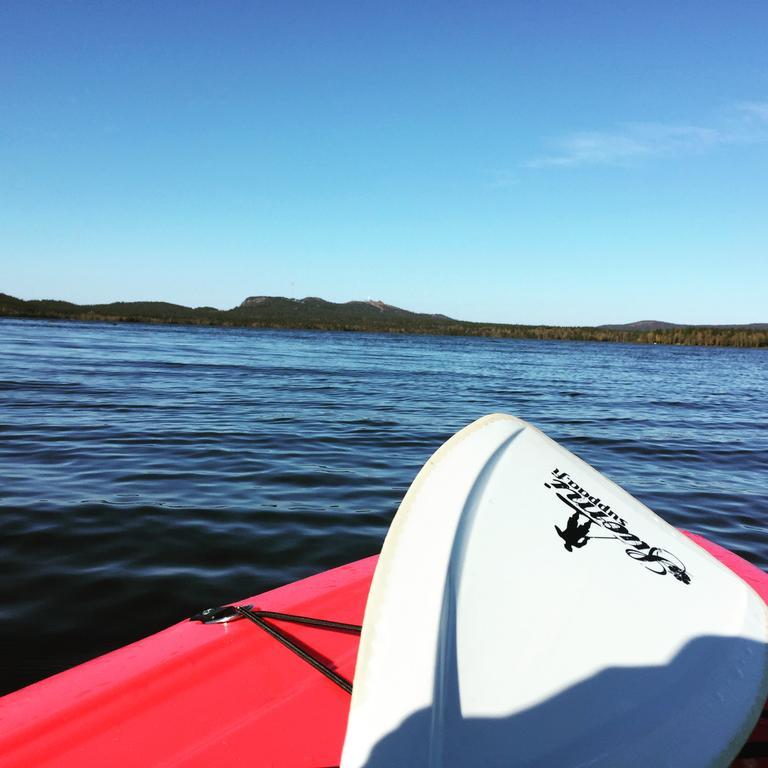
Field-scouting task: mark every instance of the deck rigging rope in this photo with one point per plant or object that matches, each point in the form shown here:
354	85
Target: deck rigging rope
259	618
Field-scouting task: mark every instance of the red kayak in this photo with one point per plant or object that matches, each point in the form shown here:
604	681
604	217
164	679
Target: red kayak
262	684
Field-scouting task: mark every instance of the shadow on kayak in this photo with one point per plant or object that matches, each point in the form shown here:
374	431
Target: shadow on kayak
623	716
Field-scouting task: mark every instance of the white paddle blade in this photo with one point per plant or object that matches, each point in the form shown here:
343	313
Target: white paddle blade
526	611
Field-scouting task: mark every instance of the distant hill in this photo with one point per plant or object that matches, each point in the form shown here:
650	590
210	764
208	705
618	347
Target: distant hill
255	311
641	325
656	325
352	314
313	313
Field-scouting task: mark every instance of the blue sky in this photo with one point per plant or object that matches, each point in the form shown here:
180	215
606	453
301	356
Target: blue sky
516	162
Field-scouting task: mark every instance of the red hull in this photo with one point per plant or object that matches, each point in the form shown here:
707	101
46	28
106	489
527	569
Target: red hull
200	695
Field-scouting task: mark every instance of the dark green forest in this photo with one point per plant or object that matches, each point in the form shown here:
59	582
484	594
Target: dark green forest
318	314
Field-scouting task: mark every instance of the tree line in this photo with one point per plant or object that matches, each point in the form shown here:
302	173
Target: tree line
278	312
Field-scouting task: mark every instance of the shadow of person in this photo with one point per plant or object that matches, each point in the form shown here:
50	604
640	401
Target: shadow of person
620	717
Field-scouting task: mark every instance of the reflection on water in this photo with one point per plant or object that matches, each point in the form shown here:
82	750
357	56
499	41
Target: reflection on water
147	472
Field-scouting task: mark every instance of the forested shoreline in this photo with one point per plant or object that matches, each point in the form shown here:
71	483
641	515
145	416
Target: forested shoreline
317	314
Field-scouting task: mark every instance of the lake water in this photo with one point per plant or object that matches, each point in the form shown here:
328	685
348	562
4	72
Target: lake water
147	472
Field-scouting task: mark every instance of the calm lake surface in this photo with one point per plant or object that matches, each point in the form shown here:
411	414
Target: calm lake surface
147	472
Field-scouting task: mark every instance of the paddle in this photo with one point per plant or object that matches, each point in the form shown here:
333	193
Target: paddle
496	634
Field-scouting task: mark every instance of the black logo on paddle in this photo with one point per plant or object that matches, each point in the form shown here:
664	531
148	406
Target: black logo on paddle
588	511
575	533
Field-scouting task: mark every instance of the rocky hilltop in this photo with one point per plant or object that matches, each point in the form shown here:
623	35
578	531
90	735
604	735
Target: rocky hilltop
315	309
